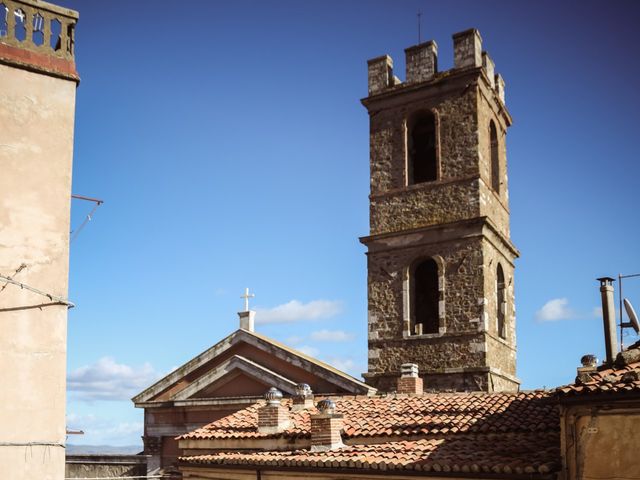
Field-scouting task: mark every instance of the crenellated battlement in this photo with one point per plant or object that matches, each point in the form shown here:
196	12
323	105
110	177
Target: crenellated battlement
37	34
422	64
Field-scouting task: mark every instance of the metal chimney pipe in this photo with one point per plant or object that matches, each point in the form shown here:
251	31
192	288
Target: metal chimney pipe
609	318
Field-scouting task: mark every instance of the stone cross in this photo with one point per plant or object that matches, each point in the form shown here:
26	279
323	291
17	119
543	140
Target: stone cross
246	297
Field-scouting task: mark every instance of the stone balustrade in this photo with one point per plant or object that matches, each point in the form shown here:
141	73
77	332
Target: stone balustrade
39	27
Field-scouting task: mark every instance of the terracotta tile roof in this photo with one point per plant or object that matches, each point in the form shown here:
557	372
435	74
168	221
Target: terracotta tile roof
523	453
624	379
430	414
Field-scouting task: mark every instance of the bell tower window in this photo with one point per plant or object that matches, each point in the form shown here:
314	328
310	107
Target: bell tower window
423	162
501	301
495	158
425	297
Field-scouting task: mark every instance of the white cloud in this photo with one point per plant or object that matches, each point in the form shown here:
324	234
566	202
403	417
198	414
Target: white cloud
331	336
294	340
347	365
555	309
295	311
104	431
559	309
308	350
108	380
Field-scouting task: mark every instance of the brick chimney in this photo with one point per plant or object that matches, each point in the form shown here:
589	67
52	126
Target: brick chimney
409	382
303	398
326	427
589	365
273	417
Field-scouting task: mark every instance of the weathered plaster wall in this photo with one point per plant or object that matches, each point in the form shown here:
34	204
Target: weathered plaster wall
600	441
36	145
162	425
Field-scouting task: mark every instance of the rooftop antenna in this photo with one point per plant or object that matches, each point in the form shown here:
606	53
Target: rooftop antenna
633	318
419	15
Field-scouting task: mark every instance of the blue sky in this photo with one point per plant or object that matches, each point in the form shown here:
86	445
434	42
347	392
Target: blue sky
230	147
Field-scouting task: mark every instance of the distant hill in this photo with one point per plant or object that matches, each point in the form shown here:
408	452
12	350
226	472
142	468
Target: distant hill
103	449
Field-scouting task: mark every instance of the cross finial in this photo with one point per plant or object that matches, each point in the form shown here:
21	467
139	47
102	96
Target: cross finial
246	297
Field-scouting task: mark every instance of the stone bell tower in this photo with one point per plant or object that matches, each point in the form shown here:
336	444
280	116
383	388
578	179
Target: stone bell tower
440	258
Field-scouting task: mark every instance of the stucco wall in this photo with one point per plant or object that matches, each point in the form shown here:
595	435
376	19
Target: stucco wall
36	145
601	441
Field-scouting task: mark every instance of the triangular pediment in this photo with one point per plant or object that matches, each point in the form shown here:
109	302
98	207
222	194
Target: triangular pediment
236	383
243	373
253	359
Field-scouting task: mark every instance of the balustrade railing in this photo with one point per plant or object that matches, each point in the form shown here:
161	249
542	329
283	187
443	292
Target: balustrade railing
38	26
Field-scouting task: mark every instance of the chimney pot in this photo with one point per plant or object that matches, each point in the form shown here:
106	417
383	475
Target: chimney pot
589	360
303	389
409	370
303	399
326	406
326	427
409	382
273	396
589	365
608	318
273	417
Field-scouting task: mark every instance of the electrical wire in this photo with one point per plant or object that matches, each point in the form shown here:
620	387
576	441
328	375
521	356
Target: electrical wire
54	298
31	444
115	478
87	219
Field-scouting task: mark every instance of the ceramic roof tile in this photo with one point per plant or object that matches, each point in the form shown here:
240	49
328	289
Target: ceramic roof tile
606	381
403	416
520	453
457	432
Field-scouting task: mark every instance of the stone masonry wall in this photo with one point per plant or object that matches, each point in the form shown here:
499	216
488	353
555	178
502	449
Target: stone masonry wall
457	139
389	342
501	352
444	220
407	209
494	205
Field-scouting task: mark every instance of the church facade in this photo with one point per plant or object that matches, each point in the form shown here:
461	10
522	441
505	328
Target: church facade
439	255
229	376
